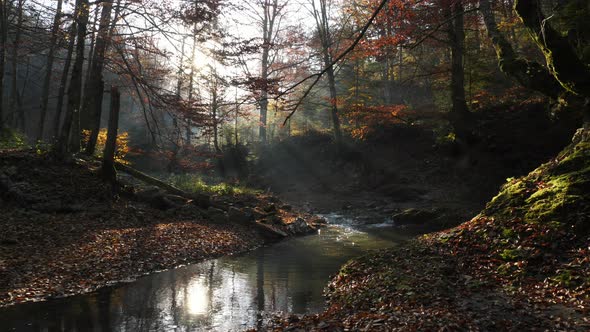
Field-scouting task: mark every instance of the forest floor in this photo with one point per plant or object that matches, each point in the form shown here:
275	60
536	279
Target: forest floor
523	263
64	234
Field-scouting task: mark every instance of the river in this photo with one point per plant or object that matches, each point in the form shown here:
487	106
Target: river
231	293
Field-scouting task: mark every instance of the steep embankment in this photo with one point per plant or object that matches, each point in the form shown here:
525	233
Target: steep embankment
522	263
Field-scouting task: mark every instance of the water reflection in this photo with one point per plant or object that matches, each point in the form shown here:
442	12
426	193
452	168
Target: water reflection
227	294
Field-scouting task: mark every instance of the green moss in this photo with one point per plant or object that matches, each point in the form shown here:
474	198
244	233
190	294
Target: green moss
512	196
11	139
564	278
194	183
505	269
555	192
509	233
510	254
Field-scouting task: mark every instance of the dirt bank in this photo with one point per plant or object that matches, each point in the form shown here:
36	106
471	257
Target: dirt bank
63	233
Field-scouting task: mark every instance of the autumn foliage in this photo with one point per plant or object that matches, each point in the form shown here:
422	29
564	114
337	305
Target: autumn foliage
122	143
365	120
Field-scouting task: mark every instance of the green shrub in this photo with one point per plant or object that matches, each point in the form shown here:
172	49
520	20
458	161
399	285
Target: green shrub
12	139
194	183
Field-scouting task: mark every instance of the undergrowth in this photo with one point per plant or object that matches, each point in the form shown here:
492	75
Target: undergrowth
11	139
195	183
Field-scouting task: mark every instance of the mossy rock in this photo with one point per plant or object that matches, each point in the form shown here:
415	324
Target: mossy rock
556	191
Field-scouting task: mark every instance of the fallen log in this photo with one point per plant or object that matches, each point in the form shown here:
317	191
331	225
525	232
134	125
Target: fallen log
269	231
200	200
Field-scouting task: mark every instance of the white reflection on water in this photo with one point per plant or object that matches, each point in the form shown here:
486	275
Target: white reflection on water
228	294
198	297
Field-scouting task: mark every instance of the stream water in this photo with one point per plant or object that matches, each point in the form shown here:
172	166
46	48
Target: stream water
226	294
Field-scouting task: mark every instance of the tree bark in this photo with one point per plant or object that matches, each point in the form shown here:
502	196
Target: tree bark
459	111
74	90
108	157
3	39
189	130
334	106
90	52
263	103
563	63
214	110
529	74
93	103
323	27
64	80
20	121
271	12
47	80
201	200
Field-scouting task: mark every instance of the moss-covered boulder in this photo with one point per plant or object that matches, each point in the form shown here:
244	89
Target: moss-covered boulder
556	192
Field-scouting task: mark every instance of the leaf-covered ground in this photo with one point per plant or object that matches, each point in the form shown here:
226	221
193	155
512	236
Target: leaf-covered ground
63	234
521	264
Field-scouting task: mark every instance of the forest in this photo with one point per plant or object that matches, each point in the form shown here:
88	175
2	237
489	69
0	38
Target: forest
294	165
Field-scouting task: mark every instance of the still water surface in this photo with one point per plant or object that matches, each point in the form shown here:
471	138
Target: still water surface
226	294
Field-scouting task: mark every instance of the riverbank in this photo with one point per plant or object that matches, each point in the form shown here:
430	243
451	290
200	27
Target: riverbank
63	233
523	263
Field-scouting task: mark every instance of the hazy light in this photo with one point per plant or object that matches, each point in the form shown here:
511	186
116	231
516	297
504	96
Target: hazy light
198	298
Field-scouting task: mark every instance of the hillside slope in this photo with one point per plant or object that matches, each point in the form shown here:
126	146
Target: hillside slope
522	263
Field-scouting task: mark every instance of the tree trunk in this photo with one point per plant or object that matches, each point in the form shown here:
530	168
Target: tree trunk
236	119
74	91
20	121
189	130
323	27
214	110
92	105
108	158
263	95
90	52
529	74
563	63
459	111
271	11
64	80
334	106
201	200
3	40
47	80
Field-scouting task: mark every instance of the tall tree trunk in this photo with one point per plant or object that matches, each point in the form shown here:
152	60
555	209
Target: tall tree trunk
263	103
94	93
64	80
271	12
189	130
90	51
459	112
562	61
323	26
20	121
47	80
334	106
214	122
3	40
236	119
108	160
176	136
529	74
74	90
